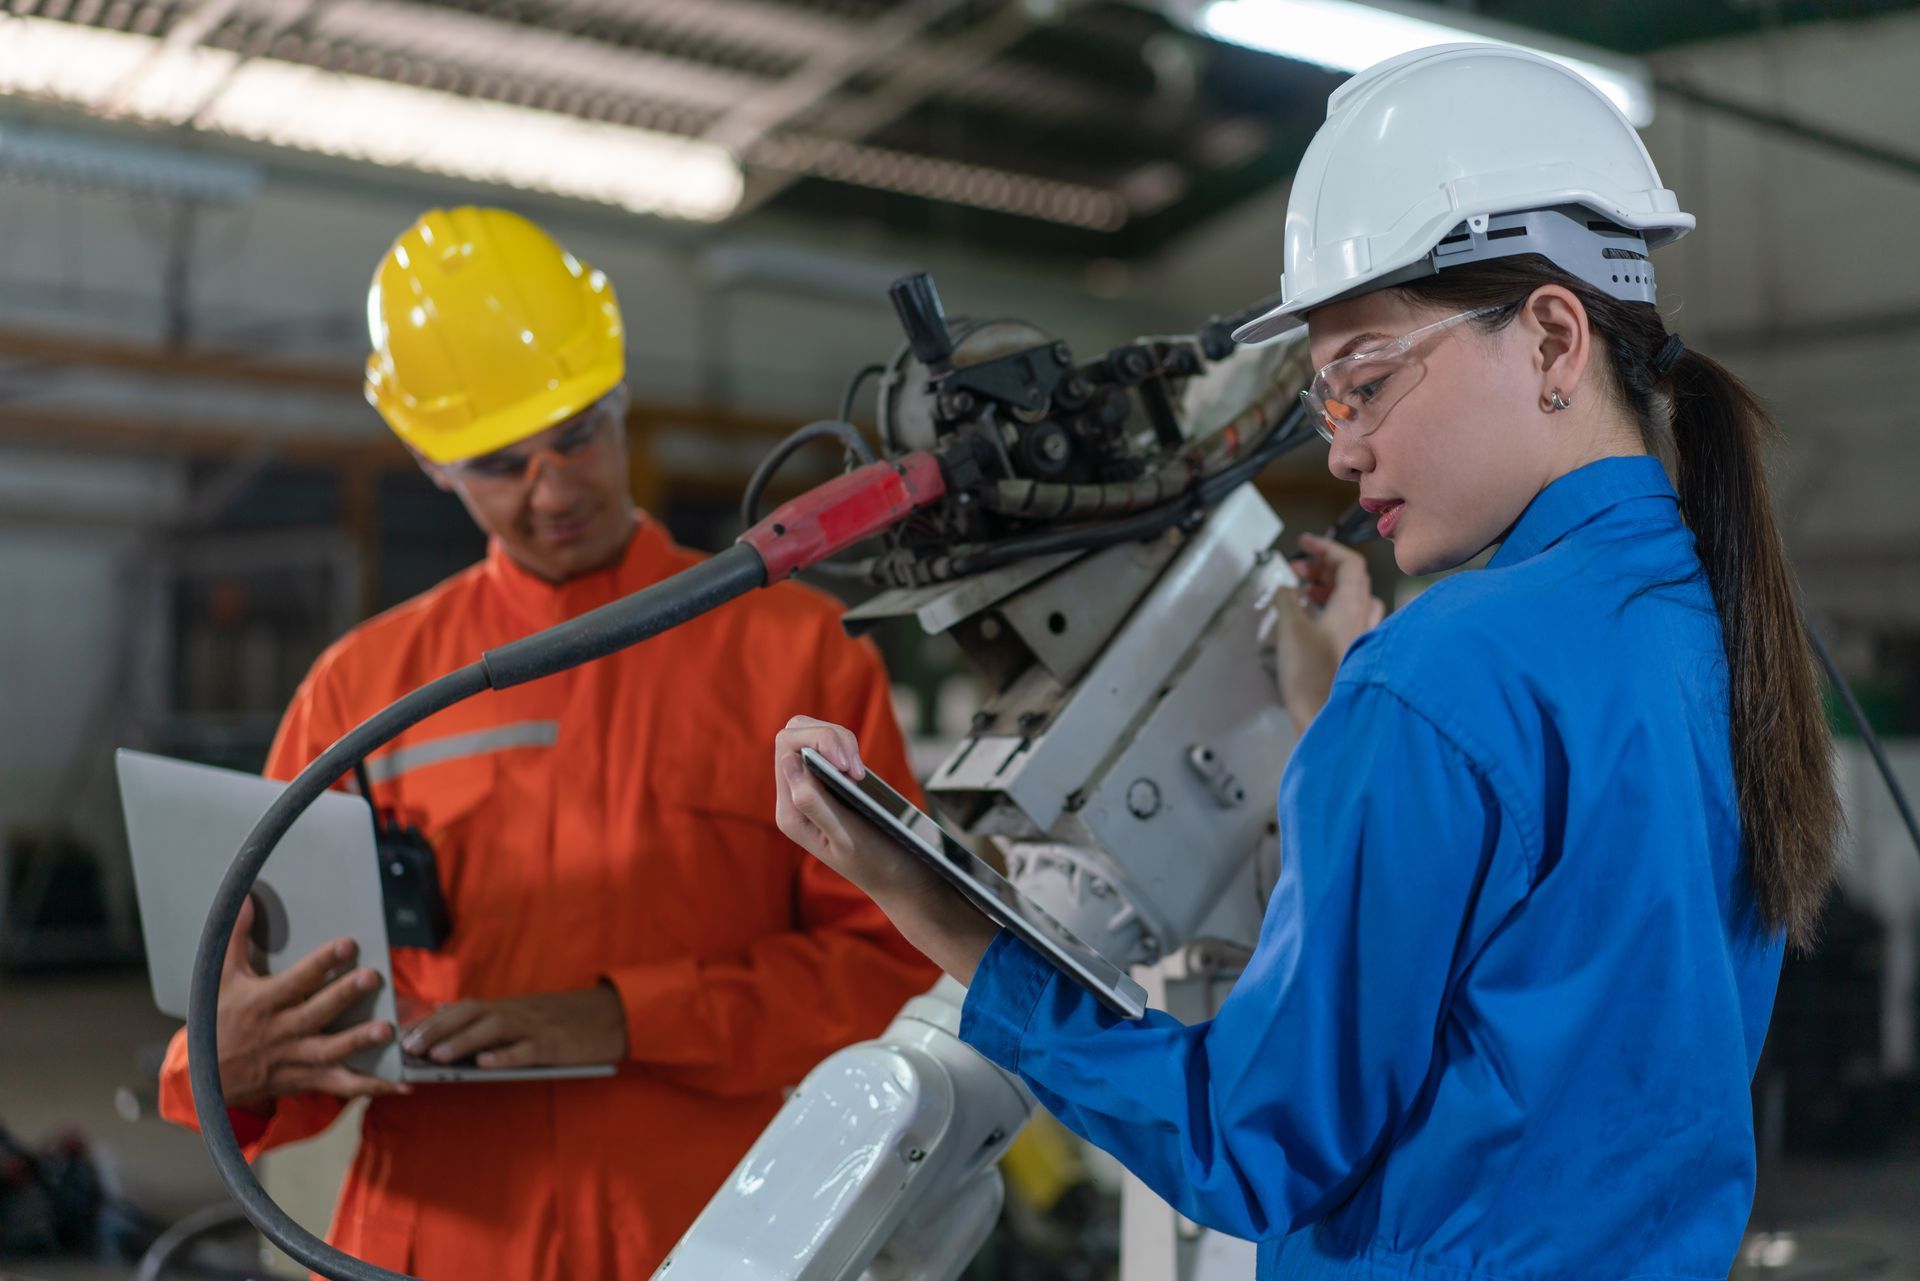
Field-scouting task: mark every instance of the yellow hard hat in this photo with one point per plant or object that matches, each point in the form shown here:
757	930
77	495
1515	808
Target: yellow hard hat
485	331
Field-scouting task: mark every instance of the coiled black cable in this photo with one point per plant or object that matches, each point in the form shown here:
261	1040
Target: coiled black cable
1291	432
711	583
852	392
777	457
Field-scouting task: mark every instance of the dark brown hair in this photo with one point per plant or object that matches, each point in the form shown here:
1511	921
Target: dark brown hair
1714	427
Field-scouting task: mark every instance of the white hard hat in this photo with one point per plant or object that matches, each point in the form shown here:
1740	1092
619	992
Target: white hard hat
1465	152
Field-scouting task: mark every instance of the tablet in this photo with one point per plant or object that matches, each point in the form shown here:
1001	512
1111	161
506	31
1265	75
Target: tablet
989	891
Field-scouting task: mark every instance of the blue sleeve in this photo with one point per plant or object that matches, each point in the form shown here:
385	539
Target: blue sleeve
1397	861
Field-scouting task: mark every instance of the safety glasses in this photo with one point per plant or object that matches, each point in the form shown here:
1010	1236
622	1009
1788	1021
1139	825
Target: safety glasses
1350	396
587	432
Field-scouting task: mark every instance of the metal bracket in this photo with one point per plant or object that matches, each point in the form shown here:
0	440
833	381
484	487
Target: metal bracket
1225	788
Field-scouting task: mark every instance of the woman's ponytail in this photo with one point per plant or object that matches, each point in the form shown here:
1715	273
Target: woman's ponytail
1782	750
1690	408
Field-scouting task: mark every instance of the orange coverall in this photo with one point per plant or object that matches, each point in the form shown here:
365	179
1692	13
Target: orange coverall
616	822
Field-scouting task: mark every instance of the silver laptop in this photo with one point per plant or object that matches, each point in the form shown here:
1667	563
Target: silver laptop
184	824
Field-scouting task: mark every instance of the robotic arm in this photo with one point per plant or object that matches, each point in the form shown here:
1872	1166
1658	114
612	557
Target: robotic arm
1084	531
1125	766
883	1164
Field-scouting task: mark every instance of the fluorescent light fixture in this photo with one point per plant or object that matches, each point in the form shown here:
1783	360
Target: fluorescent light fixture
114	74
1349	36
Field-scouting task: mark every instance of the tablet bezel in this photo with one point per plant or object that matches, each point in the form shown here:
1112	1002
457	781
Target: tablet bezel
985	888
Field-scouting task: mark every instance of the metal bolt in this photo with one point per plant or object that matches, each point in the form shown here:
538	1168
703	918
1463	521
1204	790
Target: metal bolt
1143	798
1031	721
1053	447
915	1154
983	721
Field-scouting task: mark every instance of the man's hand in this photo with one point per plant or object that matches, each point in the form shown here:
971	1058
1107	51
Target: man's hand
551	1029
273	1028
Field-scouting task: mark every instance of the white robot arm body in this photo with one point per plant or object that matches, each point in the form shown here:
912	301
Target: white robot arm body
883	1164
1126	769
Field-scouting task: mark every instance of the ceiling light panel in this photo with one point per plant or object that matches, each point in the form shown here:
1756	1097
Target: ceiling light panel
136	77
1347	35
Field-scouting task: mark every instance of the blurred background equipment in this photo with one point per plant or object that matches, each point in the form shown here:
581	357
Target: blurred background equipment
194	498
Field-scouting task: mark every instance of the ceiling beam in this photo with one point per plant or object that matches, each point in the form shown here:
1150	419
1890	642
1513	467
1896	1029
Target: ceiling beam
1904	163
446	37
821	76
189	364
922	71
93	430
751	25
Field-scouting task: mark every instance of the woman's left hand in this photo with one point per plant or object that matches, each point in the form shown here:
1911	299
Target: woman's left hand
932	915
820	826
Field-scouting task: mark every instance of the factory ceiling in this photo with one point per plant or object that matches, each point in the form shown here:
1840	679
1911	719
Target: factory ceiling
1090	129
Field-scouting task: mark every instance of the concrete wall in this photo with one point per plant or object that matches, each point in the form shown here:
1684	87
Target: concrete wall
1805	277
71	534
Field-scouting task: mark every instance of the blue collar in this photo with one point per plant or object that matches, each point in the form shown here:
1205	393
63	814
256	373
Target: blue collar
1577	498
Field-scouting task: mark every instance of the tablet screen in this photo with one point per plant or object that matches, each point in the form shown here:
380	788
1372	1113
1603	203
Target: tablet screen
991	892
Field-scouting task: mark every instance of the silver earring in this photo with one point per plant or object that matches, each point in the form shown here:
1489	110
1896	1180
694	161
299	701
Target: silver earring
1556	402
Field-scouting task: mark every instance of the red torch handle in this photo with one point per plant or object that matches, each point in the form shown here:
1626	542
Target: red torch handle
846	510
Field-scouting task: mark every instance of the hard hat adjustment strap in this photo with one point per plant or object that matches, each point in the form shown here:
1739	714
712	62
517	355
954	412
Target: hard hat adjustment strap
1611	258
1663	360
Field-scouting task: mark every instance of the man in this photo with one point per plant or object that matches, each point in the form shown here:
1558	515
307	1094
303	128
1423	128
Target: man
605	837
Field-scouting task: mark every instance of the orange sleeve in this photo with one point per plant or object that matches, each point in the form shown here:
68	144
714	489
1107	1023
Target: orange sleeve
286	1120
296	1116
760	1021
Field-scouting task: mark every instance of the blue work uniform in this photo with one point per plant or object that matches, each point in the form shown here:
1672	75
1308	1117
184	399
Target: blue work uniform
1507	1000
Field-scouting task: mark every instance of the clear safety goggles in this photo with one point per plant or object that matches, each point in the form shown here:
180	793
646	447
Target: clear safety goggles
588	430
1350	396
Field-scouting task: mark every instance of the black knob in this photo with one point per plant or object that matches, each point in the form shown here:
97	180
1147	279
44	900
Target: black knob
1216	340
918	305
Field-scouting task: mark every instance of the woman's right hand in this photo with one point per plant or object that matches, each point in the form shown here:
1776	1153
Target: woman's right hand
1333	608
273	1027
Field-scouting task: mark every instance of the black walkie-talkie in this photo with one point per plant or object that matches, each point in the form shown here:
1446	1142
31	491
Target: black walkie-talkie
416	907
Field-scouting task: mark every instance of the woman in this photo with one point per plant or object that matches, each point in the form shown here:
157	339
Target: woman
1552	824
